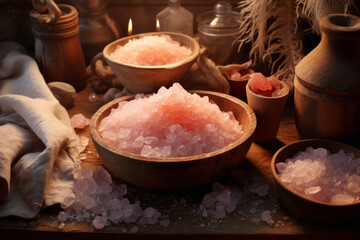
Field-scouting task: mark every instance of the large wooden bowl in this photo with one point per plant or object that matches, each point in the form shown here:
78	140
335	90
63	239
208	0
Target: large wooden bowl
148	79
306	208
179	173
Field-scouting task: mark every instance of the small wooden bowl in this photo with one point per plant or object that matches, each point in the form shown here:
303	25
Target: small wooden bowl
148	79
237	86
300	205
183	172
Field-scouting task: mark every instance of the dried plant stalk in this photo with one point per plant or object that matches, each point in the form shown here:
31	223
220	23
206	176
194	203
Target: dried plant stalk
271	27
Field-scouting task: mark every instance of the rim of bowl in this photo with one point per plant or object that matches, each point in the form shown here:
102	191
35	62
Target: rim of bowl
194	54
247	133
307	143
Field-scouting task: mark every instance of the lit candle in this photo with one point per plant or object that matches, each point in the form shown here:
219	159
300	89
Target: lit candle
130	27
157	25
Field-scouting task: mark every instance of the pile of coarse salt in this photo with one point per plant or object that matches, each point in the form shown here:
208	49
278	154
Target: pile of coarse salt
321	176
97	199
171	123
151	51
265	86
249	191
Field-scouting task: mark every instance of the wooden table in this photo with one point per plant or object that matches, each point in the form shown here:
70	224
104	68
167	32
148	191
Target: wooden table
186	221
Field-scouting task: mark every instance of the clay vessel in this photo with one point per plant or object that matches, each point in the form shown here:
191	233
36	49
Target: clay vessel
327	82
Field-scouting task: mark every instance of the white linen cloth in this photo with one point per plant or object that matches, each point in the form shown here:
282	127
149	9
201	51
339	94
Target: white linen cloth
38	146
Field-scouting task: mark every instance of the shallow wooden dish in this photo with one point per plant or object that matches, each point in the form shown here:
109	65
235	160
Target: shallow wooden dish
301	206
177	173
148	79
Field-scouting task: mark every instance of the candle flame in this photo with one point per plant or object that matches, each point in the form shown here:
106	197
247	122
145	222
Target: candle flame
157	25
130	27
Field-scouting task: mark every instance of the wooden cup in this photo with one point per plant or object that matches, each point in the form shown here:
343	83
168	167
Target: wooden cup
268	111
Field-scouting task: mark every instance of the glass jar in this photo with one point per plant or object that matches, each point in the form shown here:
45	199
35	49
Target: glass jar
175	18
218	31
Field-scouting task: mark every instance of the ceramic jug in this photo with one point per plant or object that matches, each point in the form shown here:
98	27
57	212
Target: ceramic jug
327	82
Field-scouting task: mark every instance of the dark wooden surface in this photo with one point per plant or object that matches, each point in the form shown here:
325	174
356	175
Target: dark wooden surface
186	221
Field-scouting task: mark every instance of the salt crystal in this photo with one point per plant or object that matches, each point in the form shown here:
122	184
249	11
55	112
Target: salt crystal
224	197
266	86
92	97
61	226
266	217
209	200
342	198
67	202
312	190
79	121
101	175
260	186
62	217
235	75
150	216
171	123
83	142
99	222
86	173
322	176
151	51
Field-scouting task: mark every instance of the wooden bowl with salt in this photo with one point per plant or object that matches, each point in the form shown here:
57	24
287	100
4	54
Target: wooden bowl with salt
177	173
146	78
303	206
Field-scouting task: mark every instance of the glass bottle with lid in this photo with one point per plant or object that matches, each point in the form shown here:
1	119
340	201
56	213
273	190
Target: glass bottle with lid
218	31
175	18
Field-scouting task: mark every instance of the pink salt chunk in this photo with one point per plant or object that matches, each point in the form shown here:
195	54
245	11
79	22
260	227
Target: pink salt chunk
151	51
258	81
235	75
79	121
275	83
170	123
262	85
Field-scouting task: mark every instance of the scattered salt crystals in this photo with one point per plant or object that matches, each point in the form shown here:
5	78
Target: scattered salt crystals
171	123
151	51
92	97
99	200
266	217
235	75
83	142
322	176
79	121
220	201
266	86
99	222
260	186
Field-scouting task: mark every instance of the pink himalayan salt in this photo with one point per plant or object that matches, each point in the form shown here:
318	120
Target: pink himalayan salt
83	143
171	123
79	121
235	75
151	51
321	176
266	86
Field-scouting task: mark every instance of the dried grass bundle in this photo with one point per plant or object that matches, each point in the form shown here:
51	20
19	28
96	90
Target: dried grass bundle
272	29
